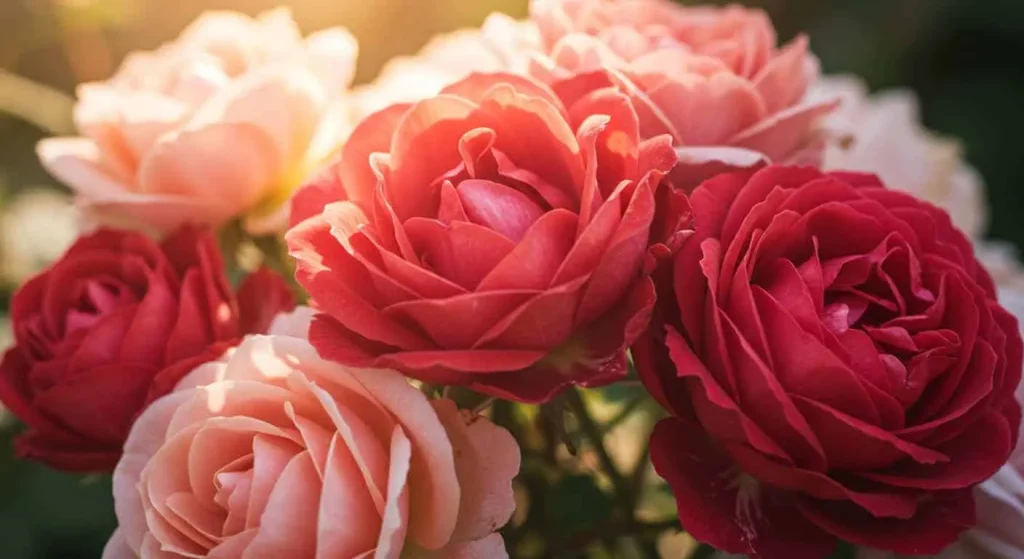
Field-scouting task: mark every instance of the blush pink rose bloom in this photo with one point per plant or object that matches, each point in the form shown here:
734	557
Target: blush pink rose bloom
274	452
714	78
222	122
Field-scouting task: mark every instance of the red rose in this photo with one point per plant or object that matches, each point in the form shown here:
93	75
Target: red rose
489	237
114	324
840	370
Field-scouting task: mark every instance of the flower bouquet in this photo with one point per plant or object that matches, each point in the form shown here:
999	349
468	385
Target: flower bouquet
411	318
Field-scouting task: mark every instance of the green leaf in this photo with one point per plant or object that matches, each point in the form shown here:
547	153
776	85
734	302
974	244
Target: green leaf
577	503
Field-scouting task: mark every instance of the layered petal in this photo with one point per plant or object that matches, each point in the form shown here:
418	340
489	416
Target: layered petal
181	134
273	451
534	222
857	384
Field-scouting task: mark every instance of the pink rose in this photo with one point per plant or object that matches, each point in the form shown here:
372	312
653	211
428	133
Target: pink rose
714	78
184	132
273	452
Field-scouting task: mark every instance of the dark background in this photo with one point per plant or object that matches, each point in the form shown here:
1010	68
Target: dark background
965	58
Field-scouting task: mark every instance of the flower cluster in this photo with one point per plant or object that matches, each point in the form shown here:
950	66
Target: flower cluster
792	268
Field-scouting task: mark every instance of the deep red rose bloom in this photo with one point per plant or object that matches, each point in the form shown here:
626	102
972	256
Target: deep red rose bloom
111	326
489	237
837	367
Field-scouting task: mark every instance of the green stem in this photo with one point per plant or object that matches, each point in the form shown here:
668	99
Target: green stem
626	411
623	492
640	471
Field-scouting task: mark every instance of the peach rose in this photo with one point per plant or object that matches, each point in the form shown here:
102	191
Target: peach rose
273	452
883	134
221	123
714	78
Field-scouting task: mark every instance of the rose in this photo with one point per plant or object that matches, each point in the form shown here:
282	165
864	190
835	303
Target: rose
837	367
486	237
112	325
183	132
882	134
273	452
711	77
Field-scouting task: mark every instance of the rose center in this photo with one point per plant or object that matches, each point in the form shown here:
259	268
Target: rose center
886	310
96	298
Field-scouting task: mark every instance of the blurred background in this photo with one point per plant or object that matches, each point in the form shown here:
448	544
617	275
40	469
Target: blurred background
964	58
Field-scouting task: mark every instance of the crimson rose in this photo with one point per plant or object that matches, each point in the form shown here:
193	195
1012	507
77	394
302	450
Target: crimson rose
113	325
489	237
837	367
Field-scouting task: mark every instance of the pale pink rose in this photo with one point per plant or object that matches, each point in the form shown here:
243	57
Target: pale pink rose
222	122
501	44
272	452
294	323
883	134
714	78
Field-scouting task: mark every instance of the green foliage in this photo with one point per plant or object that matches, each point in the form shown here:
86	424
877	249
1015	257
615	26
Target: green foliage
49	514
577	503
